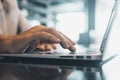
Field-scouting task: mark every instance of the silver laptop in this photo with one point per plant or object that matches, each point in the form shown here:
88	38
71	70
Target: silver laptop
87	58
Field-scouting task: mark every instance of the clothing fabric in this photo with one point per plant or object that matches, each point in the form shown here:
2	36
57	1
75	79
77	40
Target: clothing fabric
11	17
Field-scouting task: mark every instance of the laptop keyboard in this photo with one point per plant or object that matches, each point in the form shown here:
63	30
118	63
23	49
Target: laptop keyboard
89	51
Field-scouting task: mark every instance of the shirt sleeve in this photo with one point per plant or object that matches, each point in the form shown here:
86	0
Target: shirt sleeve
23	22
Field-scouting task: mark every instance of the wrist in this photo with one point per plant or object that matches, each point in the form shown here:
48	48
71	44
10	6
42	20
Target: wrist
6	43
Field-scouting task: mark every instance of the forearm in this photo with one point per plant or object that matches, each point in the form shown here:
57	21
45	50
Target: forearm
12	44
5	42
15	44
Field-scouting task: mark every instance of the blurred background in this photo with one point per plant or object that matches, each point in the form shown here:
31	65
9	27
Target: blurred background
84	21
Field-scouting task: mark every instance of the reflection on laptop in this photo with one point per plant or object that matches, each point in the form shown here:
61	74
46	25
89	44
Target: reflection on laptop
89	57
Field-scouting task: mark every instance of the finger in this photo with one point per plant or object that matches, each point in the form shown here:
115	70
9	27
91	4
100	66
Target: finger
70	43
68	39
57	34
46	37
48	47
65	41
41	47
53	32
54	46
71	47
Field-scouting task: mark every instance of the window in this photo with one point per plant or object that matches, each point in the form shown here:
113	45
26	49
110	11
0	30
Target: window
71	24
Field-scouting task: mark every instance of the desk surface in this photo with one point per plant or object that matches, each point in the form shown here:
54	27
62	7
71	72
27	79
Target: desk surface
108	71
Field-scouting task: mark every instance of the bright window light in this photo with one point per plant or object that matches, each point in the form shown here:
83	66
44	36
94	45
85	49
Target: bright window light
71	24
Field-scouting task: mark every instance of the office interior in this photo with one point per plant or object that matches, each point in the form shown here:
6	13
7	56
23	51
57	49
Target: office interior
84	21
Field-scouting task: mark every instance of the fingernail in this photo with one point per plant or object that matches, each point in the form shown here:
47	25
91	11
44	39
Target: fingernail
73	49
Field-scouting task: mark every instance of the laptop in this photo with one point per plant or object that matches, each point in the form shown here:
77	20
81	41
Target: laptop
88	58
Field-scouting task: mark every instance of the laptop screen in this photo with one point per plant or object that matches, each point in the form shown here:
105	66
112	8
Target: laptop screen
113	42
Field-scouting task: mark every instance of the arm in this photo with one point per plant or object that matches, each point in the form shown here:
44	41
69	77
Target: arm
35	35
16	44
5	43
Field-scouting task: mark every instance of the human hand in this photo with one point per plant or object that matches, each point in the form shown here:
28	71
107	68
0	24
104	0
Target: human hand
46	46
39	35
65	41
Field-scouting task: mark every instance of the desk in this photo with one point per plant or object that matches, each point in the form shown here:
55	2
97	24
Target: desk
108	71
